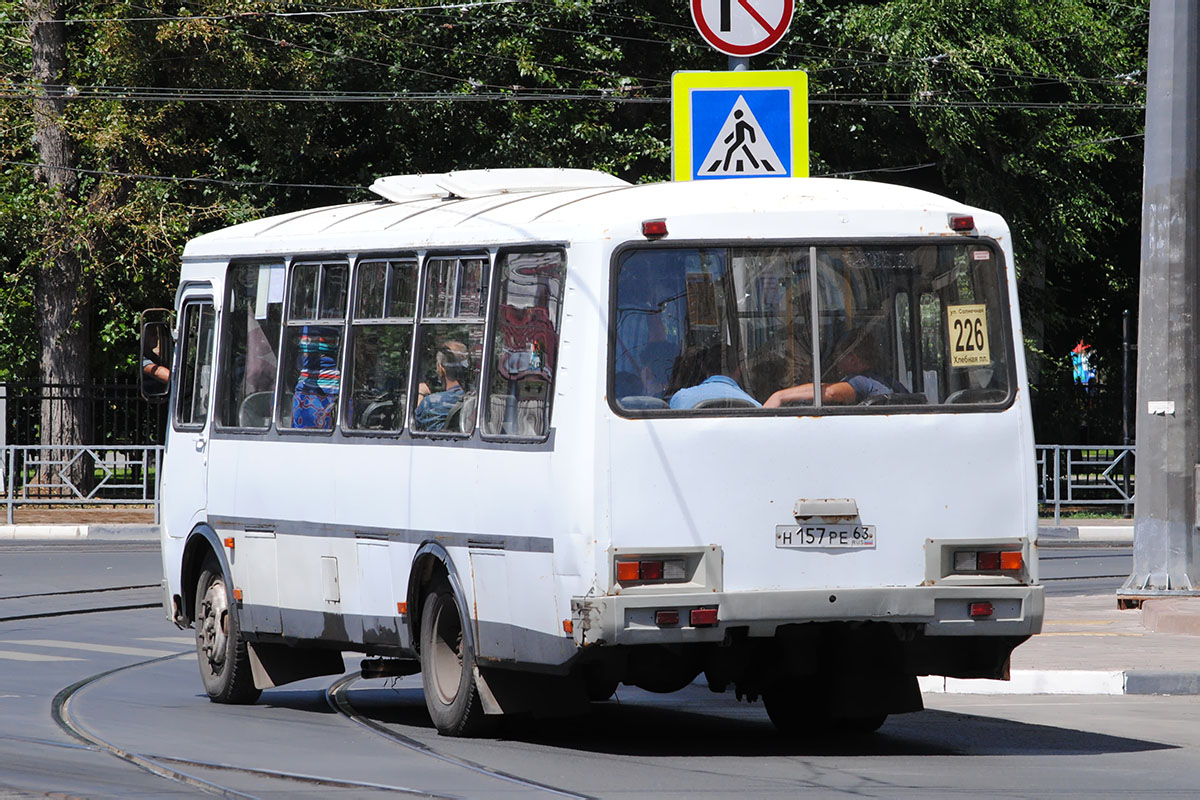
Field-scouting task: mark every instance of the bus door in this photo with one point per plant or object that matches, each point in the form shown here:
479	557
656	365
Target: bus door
185	464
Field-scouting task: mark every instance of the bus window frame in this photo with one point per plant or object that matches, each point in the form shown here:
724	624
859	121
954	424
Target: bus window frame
285	322
1004	300
493	315
459	254
417	259
181	353
225	321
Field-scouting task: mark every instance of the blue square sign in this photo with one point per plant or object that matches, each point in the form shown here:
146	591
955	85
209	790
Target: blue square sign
739	133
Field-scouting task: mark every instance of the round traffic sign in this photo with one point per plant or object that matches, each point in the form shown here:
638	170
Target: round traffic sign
742	27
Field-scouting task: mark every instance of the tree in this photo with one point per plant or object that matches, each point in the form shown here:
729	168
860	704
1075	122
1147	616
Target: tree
186	118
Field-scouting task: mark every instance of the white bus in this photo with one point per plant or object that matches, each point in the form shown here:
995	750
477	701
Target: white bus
536	433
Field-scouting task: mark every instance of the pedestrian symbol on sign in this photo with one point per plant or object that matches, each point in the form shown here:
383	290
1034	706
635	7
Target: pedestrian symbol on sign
740	147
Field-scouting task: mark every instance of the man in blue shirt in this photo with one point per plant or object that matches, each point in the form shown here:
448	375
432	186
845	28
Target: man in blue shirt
706	362
453	366
861	380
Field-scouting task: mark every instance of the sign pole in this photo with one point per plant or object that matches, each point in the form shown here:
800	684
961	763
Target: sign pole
738	64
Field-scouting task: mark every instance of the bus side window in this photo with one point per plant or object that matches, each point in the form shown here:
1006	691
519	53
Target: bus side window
450	344
385	306
524	351
195	365
310	378
251	351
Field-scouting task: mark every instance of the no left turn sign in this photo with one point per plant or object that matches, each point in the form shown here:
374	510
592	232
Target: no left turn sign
742	27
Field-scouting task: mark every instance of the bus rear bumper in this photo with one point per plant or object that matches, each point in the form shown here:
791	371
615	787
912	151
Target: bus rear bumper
632	619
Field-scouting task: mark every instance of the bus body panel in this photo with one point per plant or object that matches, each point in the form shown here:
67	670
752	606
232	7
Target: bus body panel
674	478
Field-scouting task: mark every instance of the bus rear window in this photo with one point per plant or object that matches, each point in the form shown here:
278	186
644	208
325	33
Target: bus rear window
829	327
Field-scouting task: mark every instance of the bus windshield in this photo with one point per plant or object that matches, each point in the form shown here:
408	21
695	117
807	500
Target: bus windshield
741	329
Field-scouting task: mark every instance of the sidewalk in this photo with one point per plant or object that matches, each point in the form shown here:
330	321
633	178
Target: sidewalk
1088	646
66	524
1085	532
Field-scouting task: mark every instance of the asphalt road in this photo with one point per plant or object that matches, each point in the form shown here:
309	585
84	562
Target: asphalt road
128	679
1074	570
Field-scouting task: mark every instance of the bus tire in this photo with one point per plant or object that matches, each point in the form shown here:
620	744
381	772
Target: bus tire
220	649
801	714
448	667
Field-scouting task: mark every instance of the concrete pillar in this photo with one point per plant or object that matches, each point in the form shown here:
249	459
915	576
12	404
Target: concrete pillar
1166	511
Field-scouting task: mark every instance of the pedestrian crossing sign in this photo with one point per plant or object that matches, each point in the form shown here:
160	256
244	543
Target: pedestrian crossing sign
747	124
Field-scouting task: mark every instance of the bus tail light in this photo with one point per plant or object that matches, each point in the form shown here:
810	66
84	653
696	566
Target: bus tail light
989	561
980	610
962	223
666	617
653	570
703	616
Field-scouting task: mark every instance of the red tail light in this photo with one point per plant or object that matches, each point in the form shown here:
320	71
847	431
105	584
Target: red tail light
982	609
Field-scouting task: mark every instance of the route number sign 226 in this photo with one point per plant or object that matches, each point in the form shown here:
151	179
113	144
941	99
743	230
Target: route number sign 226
742	27
968	336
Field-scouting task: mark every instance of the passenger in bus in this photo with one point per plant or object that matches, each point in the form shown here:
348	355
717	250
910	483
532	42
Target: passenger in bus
453	366
705	378
861	380
316	393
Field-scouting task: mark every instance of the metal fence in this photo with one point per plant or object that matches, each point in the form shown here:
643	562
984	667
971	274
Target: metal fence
123	467
1075	476
116	412
49	475
120	468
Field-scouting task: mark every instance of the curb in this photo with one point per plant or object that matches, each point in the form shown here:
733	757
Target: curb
1084	535
1076	682
59	533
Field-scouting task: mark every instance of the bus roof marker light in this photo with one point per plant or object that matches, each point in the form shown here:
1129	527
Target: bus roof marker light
962	223
654	228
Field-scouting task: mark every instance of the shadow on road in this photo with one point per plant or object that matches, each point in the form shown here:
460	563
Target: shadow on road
643	725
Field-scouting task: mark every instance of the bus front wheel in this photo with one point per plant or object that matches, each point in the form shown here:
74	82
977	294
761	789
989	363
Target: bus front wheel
224	662
448	668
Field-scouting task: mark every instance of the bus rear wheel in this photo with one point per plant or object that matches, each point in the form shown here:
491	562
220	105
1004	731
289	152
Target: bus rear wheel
224	662
802	714
448	668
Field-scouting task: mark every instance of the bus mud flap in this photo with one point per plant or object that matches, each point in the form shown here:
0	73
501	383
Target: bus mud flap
486	696
276	664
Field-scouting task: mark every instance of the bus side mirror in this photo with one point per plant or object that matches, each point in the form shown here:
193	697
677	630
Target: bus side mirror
154	363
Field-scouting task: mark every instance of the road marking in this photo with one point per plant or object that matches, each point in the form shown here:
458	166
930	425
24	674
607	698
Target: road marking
13	655
187	641
1087	633
95	648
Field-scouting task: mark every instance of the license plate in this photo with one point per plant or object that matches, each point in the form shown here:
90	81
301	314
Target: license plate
825	537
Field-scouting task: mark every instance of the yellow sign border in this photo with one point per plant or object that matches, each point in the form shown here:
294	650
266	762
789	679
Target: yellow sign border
684	82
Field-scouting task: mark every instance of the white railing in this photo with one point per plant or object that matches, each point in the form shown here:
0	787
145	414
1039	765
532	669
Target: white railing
77	475
1085	475
64	475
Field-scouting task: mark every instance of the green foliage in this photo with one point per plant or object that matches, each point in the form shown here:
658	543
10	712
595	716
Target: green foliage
1029	108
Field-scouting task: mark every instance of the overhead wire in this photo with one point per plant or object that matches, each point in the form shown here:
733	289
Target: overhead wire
174	178
240	15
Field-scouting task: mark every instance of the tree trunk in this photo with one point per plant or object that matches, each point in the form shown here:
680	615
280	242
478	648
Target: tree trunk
62	291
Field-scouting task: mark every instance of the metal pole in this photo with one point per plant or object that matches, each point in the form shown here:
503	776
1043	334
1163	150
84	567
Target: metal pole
1168	447
738	64
1126	459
